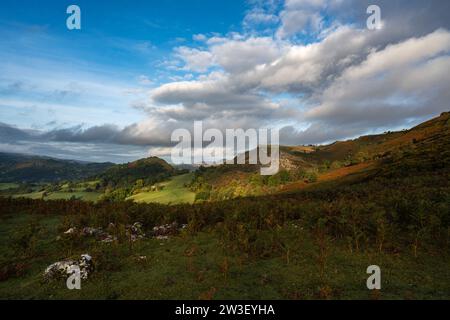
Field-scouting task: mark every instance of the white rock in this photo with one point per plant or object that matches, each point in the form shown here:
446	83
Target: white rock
63	269
71	231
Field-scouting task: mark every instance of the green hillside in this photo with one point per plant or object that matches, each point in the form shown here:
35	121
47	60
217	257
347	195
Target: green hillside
150	170
308	240
174	191
306	166
7	186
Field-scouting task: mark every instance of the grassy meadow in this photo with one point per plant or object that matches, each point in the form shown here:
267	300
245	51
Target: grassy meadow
200	267
83	195
7	186
175	191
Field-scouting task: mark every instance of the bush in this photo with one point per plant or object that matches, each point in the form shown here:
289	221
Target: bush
25	238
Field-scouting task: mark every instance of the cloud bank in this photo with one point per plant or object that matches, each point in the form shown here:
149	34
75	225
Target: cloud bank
307	67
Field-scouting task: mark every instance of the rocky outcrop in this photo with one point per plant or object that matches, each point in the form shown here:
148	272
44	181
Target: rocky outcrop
134	232
163	232
63	269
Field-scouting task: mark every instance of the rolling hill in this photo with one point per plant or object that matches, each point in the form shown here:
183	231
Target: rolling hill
53	179
150	170
173	191
27	168
304	239
424	147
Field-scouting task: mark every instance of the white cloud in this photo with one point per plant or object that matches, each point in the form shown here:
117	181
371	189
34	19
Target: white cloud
307	68
199	37
297	21
237	56
144	80
301	16
344	81
335	81
194	59
259	17
403	80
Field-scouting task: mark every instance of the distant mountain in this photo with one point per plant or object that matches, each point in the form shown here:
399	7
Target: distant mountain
425	147
27	168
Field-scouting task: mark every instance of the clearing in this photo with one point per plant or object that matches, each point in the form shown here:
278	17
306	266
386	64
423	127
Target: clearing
174	192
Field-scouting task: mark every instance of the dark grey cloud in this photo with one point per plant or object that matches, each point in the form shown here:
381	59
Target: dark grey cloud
98	144
108	133
9	133
92	152
403	17
317	133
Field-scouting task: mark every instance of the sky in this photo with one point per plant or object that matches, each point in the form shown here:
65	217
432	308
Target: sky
117	88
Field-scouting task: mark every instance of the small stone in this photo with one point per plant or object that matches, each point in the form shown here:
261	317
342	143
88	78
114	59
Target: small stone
71	231
108	239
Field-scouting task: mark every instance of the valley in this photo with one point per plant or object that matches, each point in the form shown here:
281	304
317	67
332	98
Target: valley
309	232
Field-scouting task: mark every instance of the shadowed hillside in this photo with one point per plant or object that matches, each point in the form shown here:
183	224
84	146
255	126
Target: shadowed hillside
23	168
149	169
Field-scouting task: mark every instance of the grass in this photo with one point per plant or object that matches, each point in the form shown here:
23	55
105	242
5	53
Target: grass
307	243
32	195
86	196
7	186
199	267
174	192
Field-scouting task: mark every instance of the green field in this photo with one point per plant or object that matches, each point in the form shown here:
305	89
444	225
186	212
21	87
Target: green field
174	192
86	196
33	195
200	267
6	186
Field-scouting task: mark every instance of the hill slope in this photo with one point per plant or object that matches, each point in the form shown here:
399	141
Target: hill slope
150	170
25	168
173	191
313	242
425	146
422	150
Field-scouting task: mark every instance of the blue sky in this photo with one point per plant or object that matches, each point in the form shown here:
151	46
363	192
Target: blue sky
137	70
120	43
